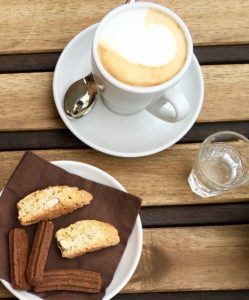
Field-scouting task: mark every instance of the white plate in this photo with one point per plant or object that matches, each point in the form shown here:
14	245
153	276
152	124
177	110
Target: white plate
132	253
128	136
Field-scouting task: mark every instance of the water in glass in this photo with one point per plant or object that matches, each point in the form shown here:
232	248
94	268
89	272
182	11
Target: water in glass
220	167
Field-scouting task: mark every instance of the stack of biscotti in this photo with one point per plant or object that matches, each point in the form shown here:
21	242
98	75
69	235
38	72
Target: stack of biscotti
28	270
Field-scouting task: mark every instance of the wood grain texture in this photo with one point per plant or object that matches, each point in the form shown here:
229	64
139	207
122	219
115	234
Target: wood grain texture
210	21
226	95
160	179
42	26
192	259
226	98
27	102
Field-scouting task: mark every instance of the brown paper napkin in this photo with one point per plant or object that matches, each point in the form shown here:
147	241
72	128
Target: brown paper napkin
109	205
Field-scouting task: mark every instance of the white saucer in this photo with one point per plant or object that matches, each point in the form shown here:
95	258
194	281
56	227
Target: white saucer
132	253
128	136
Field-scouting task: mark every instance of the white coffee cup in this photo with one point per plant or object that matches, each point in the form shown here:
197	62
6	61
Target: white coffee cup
164	100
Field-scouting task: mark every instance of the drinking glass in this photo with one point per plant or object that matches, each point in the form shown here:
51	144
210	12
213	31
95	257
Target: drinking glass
222	163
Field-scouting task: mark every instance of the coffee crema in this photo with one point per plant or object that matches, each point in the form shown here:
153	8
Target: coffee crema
142	47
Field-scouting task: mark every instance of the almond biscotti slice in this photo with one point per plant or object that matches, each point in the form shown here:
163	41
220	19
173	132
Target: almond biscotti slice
86	236
52	202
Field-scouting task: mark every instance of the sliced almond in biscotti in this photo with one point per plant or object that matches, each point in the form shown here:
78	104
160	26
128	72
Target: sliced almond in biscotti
86	236
50	203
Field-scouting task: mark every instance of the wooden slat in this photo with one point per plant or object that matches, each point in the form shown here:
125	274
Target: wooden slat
160	179
210	21
27	102
31	26
193	259
226	95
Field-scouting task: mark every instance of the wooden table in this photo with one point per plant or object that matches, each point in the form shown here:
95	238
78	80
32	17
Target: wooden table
193	248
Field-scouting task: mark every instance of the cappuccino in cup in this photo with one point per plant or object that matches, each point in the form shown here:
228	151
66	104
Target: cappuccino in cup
142	47
140	51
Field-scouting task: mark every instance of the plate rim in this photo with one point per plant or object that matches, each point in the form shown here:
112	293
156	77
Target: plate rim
109	151
139	228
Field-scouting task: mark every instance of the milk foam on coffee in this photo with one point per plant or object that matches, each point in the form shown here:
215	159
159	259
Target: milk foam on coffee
142	47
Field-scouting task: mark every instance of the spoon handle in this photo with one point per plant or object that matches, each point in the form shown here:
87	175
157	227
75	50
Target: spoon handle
90	84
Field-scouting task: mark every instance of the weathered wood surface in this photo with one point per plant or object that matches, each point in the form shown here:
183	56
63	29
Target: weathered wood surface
27	102
226	98
42	26
160	179
193	258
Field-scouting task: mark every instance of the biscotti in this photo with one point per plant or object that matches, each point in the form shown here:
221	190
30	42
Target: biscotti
69	280
50	203
39	252
18	255
86	236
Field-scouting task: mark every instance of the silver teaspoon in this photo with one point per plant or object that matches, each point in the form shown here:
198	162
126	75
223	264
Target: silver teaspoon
80	97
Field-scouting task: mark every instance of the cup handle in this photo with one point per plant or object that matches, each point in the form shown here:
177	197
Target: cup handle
172	106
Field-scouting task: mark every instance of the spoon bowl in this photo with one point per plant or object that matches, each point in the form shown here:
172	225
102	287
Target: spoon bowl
80	97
